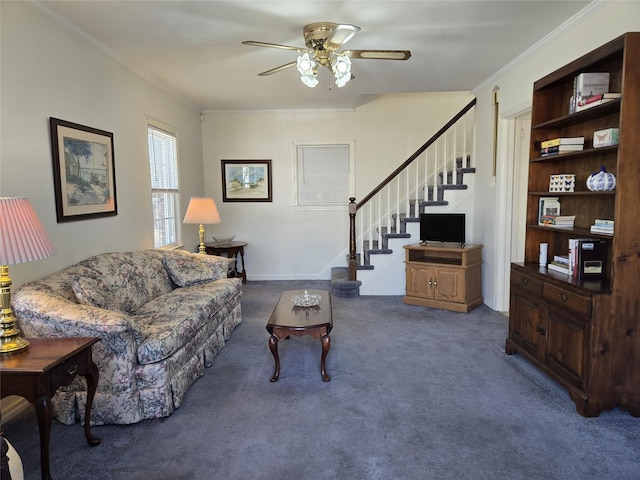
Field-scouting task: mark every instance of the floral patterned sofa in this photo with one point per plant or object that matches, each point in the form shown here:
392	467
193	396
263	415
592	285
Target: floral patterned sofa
161	315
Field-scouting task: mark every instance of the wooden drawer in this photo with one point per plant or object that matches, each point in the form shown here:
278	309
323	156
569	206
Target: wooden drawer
574	301
526	282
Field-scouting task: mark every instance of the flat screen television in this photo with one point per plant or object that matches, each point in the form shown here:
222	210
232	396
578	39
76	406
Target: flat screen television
442	227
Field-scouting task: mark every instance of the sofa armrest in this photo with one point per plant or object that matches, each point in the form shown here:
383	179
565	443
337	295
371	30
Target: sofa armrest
42	314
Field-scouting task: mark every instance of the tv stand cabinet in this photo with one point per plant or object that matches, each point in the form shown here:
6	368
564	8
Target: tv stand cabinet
446	277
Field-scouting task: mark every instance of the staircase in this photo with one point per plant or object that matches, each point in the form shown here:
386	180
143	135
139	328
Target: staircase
438	177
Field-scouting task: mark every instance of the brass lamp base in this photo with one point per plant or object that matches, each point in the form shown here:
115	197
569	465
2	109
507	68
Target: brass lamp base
11	341
202	249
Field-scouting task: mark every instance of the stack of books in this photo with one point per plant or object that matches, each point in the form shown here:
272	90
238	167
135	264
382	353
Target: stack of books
595	100
560	264
602	226
587	85
556	146
562	221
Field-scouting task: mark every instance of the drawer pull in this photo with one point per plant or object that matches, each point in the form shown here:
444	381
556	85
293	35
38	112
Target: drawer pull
524	281
541	330
72	370
563	297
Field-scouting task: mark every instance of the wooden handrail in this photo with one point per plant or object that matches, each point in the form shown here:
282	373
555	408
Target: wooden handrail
418	152
354	207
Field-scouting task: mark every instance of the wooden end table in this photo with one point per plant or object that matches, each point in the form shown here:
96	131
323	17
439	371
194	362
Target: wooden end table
233	249
288	319
36	374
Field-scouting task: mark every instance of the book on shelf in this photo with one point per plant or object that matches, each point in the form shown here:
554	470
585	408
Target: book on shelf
587	257
573	255
560	149
603	222
554	142
601	230
600	96
548	206
584	106
558	220
591	83
558	267
592	258
563	259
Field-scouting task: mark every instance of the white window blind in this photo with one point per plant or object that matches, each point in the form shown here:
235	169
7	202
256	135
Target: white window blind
163	167
323	173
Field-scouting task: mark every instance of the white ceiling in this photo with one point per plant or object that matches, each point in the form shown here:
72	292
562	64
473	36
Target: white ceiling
192	48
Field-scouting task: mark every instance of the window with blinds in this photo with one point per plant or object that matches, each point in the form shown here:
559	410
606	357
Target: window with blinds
163	168
323	174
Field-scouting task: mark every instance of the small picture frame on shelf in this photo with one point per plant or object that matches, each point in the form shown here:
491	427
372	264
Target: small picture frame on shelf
564	182
548	207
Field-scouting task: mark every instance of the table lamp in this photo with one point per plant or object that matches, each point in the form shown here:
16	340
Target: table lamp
202	210
22	239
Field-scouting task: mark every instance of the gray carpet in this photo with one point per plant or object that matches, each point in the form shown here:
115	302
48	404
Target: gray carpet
416	393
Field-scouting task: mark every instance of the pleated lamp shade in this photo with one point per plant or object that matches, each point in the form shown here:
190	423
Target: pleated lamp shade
22	235
202	210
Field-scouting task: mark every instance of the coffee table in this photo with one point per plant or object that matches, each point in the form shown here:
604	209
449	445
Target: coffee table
288	319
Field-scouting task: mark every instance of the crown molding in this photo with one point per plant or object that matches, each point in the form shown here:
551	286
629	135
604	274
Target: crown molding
64	22
574	21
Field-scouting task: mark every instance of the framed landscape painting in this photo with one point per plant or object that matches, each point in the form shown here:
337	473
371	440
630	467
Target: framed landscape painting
246	181
83	171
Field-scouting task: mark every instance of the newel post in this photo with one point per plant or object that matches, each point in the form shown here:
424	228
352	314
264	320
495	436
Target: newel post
353	263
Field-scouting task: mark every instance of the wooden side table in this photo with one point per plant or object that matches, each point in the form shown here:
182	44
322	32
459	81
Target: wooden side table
38	372
233	249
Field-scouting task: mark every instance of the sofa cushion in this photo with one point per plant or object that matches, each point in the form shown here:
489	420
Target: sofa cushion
91	291
186	269
171	320
122	281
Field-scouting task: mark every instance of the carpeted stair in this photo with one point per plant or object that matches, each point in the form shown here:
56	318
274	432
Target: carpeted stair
341	286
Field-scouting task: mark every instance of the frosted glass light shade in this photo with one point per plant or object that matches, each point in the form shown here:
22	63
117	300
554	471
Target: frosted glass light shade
342	70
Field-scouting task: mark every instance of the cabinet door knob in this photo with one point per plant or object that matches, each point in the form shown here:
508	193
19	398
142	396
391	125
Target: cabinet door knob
435	283
563	297
524	281
430	282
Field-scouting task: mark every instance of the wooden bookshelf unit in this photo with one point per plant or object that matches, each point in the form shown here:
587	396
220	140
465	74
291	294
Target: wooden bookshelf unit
585	334
447	277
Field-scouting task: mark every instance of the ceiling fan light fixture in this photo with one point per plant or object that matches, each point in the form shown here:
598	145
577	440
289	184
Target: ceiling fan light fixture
307	68
306	65
309	80
342	70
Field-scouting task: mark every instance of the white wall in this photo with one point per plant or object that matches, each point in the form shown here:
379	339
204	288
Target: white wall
289	242
597	25
48	71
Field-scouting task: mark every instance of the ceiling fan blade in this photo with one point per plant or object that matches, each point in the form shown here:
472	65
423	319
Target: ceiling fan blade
274	45
341	35
380	54
277	69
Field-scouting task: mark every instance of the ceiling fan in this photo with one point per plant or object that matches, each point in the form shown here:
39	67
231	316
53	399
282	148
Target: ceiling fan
323	40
